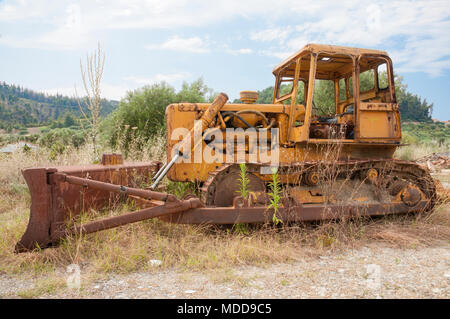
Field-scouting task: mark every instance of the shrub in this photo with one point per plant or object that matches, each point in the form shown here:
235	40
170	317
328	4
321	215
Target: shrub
57	140
141	114
409	138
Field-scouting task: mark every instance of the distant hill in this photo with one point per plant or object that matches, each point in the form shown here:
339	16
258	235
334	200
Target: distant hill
21	107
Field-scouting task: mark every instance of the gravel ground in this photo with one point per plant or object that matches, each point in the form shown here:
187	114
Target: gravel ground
374	271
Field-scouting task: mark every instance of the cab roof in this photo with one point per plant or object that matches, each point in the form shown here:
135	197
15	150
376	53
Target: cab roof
334	58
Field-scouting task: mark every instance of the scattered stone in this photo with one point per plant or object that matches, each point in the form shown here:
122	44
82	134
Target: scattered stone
423	273
189	291
322	291
155	262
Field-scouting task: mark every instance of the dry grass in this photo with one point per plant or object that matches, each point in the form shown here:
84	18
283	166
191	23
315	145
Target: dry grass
413	231
131	247
43	286
413	152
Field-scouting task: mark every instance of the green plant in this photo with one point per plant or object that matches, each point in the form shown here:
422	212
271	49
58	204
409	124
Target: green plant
59	139
241	228
243	181
180	189
275	196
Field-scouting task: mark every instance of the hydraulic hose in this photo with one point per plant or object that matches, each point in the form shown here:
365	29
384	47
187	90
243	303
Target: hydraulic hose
238	116
255	112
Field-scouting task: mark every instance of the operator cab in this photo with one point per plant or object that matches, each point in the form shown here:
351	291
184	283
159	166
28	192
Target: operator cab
338	93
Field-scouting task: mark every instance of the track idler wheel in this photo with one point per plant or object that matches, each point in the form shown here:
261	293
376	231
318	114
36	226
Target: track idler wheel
410	195
372	175
225	186
311	178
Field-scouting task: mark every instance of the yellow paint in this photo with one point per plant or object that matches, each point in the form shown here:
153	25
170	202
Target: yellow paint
376	118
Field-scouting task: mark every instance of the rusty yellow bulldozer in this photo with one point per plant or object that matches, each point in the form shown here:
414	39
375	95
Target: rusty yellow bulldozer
321	161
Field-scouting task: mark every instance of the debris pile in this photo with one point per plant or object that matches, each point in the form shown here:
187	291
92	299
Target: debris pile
436	161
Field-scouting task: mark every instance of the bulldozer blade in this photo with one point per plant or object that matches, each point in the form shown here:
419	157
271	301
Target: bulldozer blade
54	202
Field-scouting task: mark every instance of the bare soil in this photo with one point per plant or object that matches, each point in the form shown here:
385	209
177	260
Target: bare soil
372	271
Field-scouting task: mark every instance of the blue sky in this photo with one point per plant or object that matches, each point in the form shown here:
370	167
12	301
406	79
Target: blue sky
233	45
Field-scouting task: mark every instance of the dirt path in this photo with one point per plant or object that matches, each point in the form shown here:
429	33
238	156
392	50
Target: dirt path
373	271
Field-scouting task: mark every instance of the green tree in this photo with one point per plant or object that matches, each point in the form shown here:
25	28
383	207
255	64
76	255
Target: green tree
69	120
265	96
57	140
324	103
412	107
195	92
141	114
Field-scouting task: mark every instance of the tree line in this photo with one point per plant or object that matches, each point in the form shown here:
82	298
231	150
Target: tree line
21	107
140	115
412	106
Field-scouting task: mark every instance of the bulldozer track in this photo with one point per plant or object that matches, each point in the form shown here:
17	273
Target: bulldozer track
393	175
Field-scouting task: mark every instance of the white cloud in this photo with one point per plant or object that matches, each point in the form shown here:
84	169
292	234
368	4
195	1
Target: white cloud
118	91
69	30
71	34
115	92
240	51
415	32
108	91
193	45
276	54
227	49
272	34
21	10
169	78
